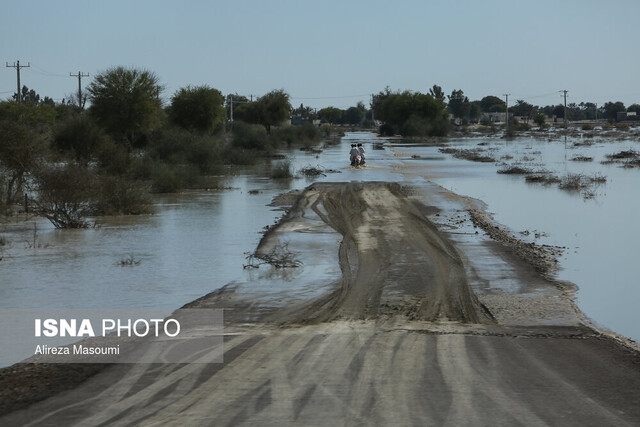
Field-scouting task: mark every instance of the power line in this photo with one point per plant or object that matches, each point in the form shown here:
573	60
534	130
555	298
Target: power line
565	106
17	66
332	97
44	72
80	75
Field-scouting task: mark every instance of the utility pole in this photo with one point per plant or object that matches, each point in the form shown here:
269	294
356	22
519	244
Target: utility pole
565	107
231	104
373	118
80	75
506	103
596	105
17	66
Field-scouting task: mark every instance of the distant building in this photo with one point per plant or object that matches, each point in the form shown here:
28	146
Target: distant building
495	117
627	116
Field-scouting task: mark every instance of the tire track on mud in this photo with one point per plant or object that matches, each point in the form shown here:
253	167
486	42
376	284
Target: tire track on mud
393	259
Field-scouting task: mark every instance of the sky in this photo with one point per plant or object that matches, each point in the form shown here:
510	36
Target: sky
332	53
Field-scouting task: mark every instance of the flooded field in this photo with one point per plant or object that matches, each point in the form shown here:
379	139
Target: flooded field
197	242
596	226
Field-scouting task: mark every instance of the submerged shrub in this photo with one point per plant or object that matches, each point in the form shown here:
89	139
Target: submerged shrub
65	195
282	170
120	196
252	137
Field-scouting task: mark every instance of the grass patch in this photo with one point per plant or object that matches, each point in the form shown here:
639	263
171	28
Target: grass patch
515	170
581	159
473	155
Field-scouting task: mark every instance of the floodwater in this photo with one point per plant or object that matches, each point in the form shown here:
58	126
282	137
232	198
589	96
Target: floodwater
598	230
197	242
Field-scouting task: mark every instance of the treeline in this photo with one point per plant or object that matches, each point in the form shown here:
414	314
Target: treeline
68	163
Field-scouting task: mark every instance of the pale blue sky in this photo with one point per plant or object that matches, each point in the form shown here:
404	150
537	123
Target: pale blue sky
334	51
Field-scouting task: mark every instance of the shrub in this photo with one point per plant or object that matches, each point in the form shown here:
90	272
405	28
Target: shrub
120	196
282	170
79	135
305	134
252	137
113	158
65	195
168	178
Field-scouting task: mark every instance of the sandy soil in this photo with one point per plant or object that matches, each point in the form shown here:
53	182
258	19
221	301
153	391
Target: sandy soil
407	335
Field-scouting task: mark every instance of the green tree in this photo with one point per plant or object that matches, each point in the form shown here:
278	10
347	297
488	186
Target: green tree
330	114
459	105
437	93
199	108
20	152
125	101
540	119
270	109
80	136
413	114
634	108
353	116
523	109
492	104
611	110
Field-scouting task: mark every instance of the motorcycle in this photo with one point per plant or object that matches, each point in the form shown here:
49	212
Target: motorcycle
356	161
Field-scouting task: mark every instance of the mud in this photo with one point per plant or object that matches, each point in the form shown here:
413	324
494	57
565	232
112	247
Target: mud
400	338
393	259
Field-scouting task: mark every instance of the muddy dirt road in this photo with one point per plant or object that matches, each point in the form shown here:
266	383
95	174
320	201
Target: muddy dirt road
403	337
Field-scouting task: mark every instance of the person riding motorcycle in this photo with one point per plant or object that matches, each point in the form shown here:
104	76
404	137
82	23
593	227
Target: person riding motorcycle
361	152
354	155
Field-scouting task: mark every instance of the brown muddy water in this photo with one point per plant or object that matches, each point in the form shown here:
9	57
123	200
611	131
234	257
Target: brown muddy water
197	242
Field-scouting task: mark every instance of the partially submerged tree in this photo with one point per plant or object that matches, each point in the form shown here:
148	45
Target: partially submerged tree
80	136
199	108
125	101
20	151
270	109
64	194
413	114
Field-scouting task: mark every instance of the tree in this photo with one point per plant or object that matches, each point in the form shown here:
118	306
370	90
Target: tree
79	135
611	110
475	111
199	108
352	116
459	105
492	104
437	93
125	101
330	114
634	108
270	109
523	109
20	150
413	114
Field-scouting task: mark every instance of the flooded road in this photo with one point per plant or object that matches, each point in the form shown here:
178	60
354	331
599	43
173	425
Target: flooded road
197	242
405	310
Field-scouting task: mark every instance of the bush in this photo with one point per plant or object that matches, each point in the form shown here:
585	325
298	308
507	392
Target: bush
173	178
80	136
252	137
282	170
305	134
65	195
113	158
120	196
238	156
